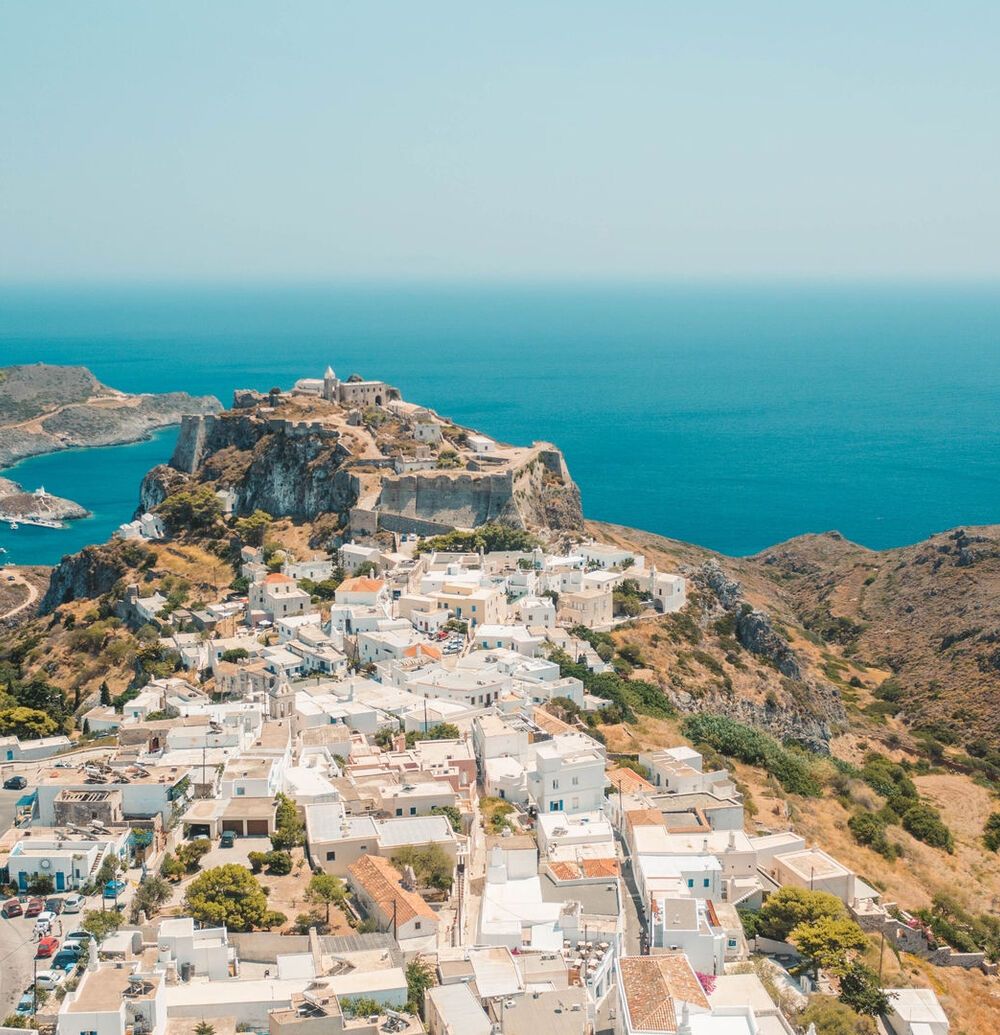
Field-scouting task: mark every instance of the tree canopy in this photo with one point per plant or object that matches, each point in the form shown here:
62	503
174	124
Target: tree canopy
790	906
228	895
325	890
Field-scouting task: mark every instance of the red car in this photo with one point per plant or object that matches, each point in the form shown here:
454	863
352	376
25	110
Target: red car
34	907
12	908
46	947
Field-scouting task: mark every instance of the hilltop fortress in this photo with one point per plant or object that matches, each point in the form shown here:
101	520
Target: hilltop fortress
358	449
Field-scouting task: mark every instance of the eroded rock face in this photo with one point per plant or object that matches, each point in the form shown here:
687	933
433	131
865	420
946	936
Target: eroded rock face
755	631
727	590
806	710
304	469
90	573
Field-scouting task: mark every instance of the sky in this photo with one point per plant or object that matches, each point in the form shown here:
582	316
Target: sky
241	140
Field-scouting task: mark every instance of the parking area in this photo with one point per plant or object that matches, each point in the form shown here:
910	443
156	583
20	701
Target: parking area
237	854
17	951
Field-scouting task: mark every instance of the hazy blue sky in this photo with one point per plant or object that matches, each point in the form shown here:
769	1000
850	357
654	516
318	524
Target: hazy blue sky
427	139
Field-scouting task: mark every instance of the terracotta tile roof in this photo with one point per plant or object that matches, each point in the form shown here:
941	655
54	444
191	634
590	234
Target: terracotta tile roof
361	584
423	648
627	780
566	870
653	984
382	883
645	818
276	576
600	867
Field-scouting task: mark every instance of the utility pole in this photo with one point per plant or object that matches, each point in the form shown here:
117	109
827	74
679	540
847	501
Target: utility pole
394	929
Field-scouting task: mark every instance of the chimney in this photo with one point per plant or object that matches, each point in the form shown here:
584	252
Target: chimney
732	840
684	1028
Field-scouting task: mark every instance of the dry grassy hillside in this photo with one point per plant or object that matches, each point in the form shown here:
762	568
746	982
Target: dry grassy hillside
930	613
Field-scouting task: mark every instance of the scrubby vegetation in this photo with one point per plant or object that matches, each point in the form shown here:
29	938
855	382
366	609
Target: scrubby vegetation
790	766
490	537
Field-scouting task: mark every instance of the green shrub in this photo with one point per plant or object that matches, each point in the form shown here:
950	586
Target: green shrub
924	822
991	832
792	768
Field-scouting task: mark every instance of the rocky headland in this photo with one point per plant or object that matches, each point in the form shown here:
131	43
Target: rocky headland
401	468
46	408
16	503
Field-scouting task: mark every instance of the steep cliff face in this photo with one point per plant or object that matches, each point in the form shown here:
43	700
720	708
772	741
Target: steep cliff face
306	468
85	575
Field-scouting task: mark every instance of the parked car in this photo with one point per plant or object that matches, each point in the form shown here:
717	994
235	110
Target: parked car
201	837
114	888
12	908
228	839
15	783
54	905
75	938
65	960
46	980
25	1005
43	923
64	764
47	946
34	907
73	903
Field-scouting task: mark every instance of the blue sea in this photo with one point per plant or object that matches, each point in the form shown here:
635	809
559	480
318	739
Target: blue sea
730	416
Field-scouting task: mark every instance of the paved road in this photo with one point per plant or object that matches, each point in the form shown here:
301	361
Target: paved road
17	953
634	925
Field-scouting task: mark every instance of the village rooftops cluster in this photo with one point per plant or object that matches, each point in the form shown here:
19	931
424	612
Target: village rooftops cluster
545	885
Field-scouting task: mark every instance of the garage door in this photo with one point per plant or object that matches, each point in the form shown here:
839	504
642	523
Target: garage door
235	825
257	826
194	829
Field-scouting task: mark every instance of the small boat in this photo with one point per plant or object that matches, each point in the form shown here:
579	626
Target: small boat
13	525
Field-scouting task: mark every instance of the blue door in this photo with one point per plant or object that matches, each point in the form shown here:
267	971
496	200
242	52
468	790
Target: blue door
22	880
60	880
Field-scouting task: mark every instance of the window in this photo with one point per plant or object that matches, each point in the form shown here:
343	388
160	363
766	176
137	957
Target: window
555	785
576	781
413	810
331	856
417	926
707	883
399	812
240	791
690	882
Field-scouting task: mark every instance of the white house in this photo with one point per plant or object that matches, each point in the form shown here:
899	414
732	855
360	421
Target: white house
204	951
569	774
916	1011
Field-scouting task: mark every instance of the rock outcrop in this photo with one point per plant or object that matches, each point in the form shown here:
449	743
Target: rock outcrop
306	458
90	573
16	503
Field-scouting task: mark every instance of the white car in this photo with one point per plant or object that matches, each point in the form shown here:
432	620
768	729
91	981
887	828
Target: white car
48	979
73	903
43	922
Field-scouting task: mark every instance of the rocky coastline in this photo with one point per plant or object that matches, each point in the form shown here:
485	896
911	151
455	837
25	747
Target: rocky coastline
46	408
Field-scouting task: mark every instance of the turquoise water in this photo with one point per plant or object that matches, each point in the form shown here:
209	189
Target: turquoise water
730	416
105	481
